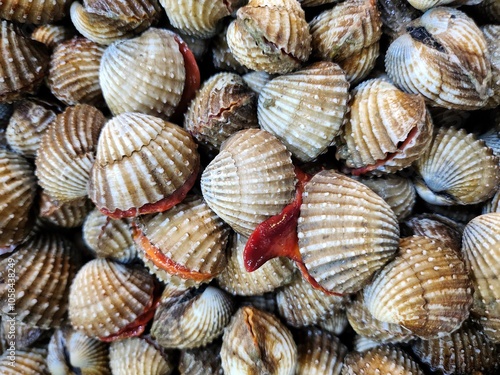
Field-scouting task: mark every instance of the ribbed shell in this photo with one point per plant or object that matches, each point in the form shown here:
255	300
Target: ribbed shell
33	11
64	214
190	319
460	214
71	351
481	250
109	238
256	80
27	362
23	63
443	56
222	57
28	123
236	280
305	109
223	106
270	35
52	35
265	302
359	65
67	152
251	179
466	351
45	266
201	361
145	74
492	36
140	159
492	138
301	305
136	356
256	342
362	343
337	322
386	130
426	289
21	334
457	169
319	352
74	72
106	296
493	205
17	194
346	232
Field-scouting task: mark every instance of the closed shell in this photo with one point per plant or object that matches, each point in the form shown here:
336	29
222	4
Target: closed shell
358	66
52	35
64	214
492	36
33	11
201	361
28	362
337	322
493	205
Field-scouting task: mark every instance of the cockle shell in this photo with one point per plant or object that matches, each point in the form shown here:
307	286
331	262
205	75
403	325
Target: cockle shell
141	161
106	297
201	361
33	11
27	362
493	205
23	64
336	322
270	35
71	351
492	139
426	289
136	356
386	130
250	180
456	169
346	232
74	72
305	109
67	152
256	342
52	35
256	80
443	56
64	214
44	267
17	195
222	57
222	106
191	318
492	35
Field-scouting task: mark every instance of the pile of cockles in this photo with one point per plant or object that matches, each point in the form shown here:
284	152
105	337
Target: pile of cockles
249	187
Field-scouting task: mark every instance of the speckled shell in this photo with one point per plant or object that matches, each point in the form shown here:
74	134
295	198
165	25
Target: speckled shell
28	123
465	351
319	352
190	234
386	130
52	35
27	362
443	56
64	214
381	360
109	238
337	322
256	80
67	152
71	351
456	169
23	63
201	361
191	318
223	58
344	260
270	35
236	280
223	106
256	342
426	289
493	205
106	296
145	74
33	11
305	109
17	194
136	356
250	180
140	160
45	266
74	72
301	305
481	249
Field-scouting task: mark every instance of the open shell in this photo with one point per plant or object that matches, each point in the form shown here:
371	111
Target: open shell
27	362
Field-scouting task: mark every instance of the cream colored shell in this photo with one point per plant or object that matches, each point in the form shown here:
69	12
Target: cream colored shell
52	35
28	362
33	11
64	214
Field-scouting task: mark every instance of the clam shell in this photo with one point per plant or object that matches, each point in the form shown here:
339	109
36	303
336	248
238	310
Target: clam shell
222	106
27	362
74	72
70	214
305	109
33	11
138	356
492	36
493	205
67	152
456	169
346	232
426	289
16	197
256	342
191	318
236	280
70	351
52	35
358	66
106	296
443	56
250	180
363	344
140	161
201	361
256	80
44	267
492	139
336	322
23	63
270	35
222	57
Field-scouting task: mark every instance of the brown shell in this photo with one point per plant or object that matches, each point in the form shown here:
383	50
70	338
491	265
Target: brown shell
358	66
67	214
27	362
201	361
265	302
33	11
336	322
222	57
52	35
67	152
492	36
